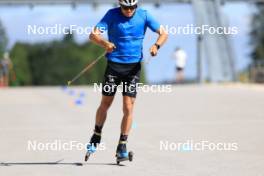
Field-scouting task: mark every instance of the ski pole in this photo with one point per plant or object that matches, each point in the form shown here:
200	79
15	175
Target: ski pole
89	66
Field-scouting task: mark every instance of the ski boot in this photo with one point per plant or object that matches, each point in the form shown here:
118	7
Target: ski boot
122	154
91	147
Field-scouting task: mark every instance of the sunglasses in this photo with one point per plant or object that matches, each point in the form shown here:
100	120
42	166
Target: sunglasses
129	7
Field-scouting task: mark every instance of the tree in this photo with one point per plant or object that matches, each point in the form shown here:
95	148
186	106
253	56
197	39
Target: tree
19	55
57	62
3	39
257	33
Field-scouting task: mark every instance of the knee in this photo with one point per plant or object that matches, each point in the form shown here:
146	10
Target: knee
128	109
104	106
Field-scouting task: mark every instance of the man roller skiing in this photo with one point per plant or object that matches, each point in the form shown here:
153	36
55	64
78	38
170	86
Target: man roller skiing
126	26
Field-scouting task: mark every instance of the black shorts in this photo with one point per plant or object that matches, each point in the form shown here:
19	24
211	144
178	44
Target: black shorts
127	75
179	68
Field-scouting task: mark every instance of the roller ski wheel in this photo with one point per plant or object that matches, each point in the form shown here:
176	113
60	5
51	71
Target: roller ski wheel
120	157
87	156
90	150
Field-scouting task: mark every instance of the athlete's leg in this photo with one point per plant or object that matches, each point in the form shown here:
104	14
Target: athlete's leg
101	113
110	80
128	106
129	97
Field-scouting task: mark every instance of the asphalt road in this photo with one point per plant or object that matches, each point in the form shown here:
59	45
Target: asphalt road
47	118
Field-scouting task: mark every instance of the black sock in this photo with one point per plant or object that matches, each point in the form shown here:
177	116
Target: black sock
123	137
96	137
98	129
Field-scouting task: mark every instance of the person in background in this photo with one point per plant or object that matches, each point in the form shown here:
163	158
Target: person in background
180	57
5	66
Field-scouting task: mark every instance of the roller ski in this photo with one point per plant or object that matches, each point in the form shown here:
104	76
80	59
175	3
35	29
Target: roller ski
91	147
122	154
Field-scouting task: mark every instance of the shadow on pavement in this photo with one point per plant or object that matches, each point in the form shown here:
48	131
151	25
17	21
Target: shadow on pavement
56	163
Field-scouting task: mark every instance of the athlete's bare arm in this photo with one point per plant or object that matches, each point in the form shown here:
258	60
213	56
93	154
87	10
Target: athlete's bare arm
97	38
163	36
